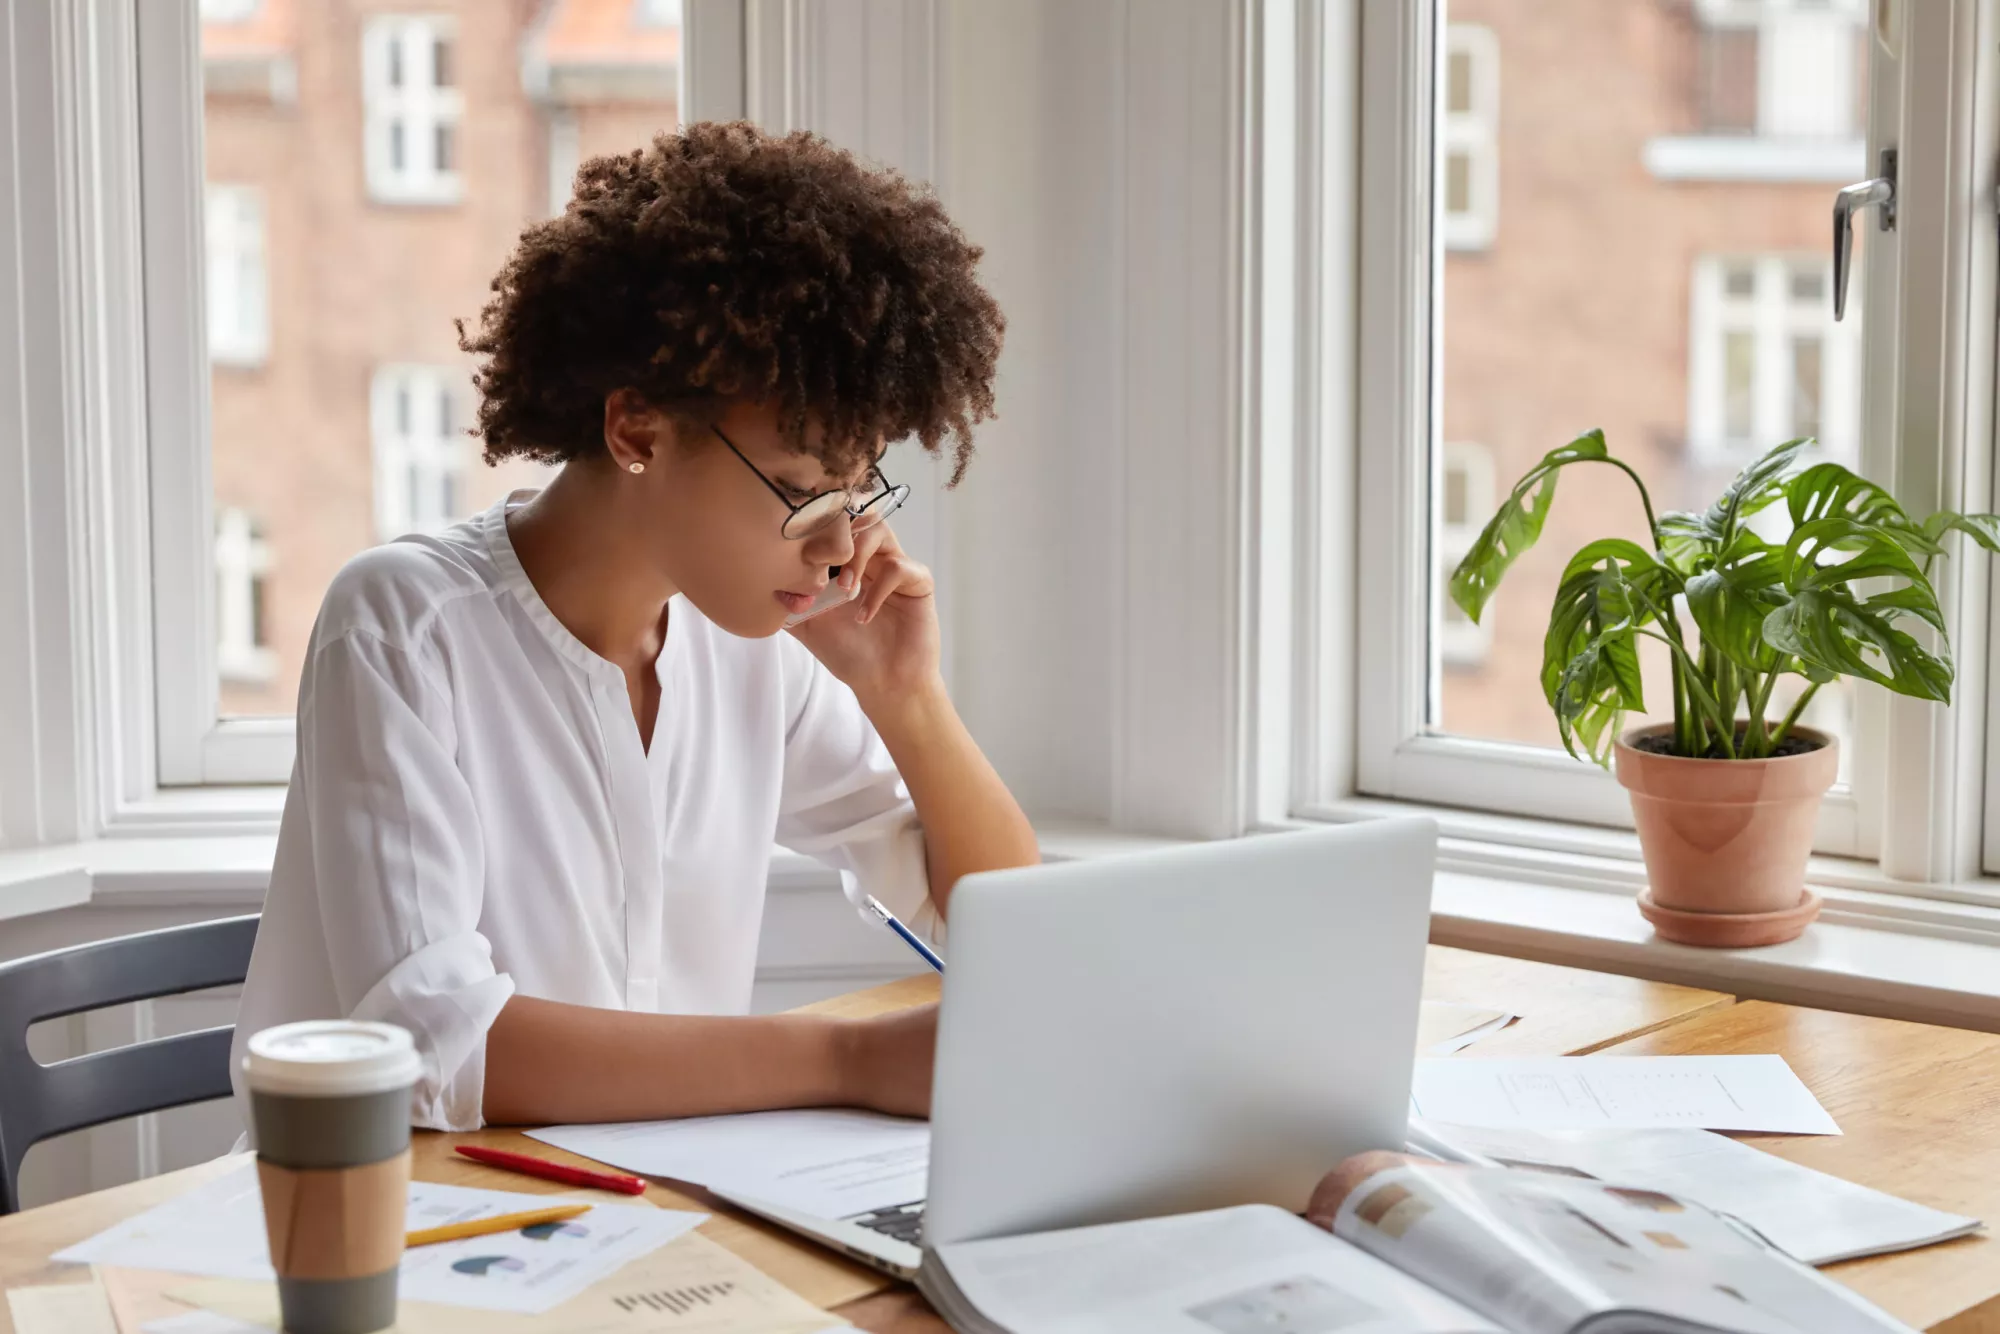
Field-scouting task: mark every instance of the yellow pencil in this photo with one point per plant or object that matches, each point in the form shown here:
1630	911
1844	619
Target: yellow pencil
480	1227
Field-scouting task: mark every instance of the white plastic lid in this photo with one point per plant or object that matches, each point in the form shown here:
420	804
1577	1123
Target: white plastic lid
330	1058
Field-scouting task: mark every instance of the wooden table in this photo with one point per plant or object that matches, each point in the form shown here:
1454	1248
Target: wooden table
1564	1011
1920	1108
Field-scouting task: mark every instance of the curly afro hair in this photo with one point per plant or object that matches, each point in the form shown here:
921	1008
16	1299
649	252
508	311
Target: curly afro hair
723	263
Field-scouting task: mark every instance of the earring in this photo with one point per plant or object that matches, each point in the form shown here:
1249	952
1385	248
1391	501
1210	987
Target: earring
636	467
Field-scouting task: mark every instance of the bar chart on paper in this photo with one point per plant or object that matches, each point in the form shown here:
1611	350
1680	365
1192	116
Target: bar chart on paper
677	1301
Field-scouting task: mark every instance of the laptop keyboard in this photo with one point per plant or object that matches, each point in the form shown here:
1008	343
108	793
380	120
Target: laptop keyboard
904	1222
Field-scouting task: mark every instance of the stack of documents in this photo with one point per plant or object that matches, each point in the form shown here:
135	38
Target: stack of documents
1809	1215
690	1286
217	1230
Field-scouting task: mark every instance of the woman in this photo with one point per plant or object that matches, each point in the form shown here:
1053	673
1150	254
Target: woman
543	757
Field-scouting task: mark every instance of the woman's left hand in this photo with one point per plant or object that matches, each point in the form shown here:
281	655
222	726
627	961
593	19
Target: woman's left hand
884	643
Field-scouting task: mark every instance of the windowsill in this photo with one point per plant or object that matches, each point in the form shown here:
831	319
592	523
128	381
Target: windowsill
1556	893
1720	157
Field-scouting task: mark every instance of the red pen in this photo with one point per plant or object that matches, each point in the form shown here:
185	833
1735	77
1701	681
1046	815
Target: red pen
542	1167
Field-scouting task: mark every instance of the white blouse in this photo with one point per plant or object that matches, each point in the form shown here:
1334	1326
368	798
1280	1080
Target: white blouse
471	814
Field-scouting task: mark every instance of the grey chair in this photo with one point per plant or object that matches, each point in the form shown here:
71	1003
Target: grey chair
38	1101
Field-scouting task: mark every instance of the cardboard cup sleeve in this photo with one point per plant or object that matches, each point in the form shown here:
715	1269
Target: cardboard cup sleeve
336	1222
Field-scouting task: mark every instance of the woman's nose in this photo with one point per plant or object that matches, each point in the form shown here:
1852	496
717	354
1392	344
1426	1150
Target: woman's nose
833	544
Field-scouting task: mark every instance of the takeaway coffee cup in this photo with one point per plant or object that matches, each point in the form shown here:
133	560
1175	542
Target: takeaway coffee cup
330	1101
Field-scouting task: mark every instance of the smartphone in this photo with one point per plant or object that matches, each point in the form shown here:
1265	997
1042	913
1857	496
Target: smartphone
833	595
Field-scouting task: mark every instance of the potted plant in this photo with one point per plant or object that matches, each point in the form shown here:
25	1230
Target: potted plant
1726	797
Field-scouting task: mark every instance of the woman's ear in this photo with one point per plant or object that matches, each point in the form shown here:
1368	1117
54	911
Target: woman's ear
634	431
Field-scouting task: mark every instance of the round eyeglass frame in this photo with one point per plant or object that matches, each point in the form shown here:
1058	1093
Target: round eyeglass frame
816	511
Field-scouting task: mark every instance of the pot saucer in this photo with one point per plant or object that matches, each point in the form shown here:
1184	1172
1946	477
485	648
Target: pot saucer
1729	930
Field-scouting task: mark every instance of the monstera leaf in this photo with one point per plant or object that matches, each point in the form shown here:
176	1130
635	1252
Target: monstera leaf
1518	524
1730	600
1610	592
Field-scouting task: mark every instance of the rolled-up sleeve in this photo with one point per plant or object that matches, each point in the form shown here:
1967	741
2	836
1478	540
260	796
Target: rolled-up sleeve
397	858
845	805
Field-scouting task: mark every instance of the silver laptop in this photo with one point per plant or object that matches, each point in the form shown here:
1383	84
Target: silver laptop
1175	1030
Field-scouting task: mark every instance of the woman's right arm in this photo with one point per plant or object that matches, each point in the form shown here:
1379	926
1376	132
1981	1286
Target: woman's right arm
547	1062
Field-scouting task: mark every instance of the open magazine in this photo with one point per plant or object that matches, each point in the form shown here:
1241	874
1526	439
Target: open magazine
1416	1248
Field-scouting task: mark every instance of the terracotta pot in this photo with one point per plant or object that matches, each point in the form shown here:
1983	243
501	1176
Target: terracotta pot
1727	838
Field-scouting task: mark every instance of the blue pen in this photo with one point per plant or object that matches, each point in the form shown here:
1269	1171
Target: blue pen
909	936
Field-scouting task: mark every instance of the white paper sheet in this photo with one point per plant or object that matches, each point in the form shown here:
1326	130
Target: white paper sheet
832	1163
1809	1215
202	1322
217	1229
1754	1093
66	1308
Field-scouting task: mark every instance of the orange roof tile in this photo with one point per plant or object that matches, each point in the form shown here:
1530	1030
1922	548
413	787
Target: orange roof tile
271	28
603	32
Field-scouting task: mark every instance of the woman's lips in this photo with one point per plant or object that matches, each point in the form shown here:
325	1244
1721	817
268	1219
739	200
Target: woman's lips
796	603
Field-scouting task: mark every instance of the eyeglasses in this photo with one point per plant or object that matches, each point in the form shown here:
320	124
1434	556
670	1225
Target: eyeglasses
864	506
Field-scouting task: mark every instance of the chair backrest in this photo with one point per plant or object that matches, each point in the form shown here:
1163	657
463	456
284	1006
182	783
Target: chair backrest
38	1101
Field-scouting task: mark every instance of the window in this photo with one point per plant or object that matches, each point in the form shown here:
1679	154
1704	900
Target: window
1465	499
1693	326
1766	360
352	429
238	320
229	11
419	451
412	110
657	13
1781	69
242	559
1468	137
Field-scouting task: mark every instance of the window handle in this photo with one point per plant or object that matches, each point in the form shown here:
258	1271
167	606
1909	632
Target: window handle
1880	191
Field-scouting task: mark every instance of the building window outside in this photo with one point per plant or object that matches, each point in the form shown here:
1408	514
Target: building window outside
239	329
420	455
565	156
1782	69
1767	361
1469	137
657	13
1465	501
242	634
412	109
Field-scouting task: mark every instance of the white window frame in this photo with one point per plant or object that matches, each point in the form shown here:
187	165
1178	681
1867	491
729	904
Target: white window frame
242	559
1916	802
399	98
239	300
1475	133
418	444
1771	318
157	603
229	11
1461	642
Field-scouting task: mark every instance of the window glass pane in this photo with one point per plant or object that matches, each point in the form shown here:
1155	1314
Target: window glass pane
1739	385
322	279
1805	385
1458	83
1691	321
1458	183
